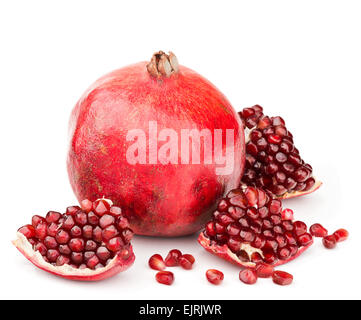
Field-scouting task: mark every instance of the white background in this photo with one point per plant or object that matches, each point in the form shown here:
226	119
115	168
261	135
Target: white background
299	59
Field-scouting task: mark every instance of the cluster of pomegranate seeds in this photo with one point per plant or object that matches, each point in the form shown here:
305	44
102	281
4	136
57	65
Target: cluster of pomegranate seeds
165	277
214	276
250	223
272	161
174	258
83	237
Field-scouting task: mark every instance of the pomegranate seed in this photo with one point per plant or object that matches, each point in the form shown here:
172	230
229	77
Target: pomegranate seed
86	205
341	235
264	270
101	207
329	241
28	231
287	214
304	239
115	244
282	278
35	220
165	277
248	276
318	230
172	258
186	261
214	276
156	262
299	228
52	216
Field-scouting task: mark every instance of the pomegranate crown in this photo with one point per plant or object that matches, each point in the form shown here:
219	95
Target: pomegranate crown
163	65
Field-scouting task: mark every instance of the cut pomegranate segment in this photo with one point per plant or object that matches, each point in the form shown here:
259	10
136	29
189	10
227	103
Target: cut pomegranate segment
248	229
165	277
248	276
214	276
272	160
282	278
156	262
84	243
341	235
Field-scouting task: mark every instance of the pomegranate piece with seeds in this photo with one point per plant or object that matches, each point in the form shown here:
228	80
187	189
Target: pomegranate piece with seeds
88	243
156	262
248	276
282	278
317	230
247	229
172	259
272	160
341	235
165	277
214	276
329	241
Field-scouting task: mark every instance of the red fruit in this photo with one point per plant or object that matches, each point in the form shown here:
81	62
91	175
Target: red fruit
214	276
329	241
186	261
282	278
65	245
341	235
257	232
287	214
248	276
160	199
172	259
264	270
317	230
156	262
272	161
165	277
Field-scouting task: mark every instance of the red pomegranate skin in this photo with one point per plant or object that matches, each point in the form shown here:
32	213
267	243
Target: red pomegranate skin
159	200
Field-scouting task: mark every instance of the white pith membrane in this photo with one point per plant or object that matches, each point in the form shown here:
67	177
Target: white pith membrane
293	193
26	248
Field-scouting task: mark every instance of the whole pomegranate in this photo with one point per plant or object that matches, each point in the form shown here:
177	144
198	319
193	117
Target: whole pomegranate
160	141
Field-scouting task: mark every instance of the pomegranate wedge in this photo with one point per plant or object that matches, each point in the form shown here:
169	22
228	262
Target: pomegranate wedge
247	229
89	243
272	160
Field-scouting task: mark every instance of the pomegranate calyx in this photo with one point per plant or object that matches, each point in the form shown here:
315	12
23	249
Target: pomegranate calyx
163	64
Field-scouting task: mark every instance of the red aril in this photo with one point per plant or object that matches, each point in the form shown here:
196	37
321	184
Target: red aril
287	214
317	230
341	235
282	278
248	276
172	259
161	195
264	270
214	276
165	277
156	262
329	241
247	229
186	261
80	244
272	160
